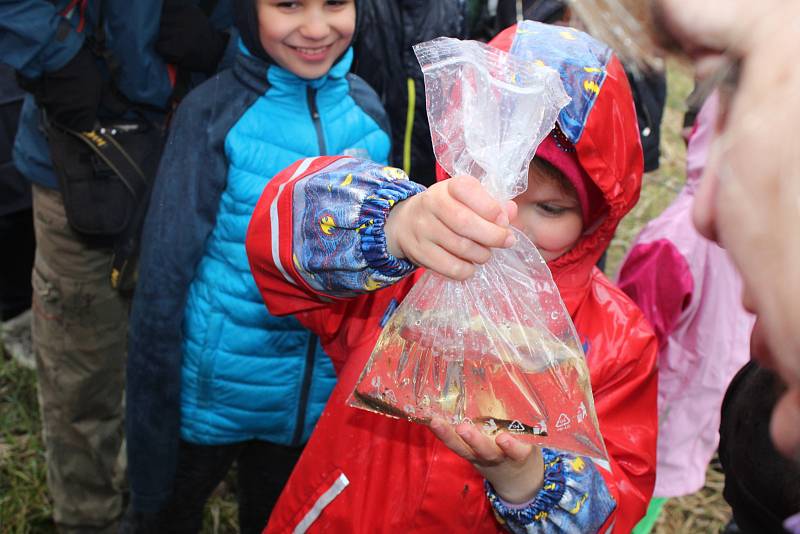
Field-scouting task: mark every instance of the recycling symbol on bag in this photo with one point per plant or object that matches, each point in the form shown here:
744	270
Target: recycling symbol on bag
563	422
516	426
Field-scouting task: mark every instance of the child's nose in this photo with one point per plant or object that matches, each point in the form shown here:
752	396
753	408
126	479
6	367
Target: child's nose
316	27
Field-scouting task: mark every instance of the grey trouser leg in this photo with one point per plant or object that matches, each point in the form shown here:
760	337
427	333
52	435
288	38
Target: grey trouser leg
79	340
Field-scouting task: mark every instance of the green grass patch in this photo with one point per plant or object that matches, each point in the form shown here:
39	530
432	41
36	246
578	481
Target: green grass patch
24	503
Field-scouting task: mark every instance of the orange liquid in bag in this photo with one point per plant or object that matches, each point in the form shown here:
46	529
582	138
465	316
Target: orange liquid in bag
495	386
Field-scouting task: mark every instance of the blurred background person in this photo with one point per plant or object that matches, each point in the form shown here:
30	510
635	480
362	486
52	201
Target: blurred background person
689	290
747	199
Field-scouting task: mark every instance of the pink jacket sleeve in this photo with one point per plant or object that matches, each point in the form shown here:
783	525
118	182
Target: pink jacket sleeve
657	278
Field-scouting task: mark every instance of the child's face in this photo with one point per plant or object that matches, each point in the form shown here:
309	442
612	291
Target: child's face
306	36
549	214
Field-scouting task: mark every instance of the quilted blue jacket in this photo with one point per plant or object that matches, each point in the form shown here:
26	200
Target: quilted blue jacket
205	356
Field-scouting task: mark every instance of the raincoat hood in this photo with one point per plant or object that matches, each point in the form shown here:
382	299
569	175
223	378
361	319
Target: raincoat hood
600	121
246	20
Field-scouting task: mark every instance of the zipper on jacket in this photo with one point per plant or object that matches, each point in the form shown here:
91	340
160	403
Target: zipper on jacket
311	96
304	390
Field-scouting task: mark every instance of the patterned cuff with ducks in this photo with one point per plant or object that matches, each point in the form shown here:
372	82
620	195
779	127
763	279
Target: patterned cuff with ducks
372	220
544	501
574	498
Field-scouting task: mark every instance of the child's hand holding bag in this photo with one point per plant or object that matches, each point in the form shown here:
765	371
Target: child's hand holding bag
497	350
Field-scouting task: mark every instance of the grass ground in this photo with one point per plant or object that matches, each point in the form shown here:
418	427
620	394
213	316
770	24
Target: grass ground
24	504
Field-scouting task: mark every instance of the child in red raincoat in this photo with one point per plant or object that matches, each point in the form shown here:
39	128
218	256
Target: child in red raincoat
329	231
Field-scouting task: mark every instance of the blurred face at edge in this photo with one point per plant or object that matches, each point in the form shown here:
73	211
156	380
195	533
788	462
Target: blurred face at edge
749	197
306	37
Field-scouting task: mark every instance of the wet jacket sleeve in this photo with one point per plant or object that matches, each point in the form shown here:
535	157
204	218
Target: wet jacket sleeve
35	38
657	278
317	232
573	498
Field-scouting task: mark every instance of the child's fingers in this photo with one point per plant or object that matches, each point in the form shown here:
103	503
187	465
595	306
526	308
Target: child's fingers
469	191
485	450
465	222
432	256
471	212
513	448
447	434
461	247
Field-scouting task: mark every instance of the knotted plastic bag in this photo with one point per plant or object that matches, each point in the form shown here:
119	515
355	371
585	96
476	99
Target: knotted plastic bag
498	350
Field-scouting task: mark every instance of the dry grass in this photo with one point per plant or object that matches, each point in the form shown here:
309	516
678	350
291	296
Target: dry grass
24	503
702	512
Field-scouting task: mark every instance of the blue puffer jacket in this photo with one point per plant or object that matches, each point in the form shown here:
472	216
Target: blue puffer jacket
204	355
38	36
246	374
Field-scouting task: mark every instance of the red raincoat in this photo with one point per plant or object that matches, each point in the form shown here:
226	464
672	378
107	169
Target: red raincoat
366	473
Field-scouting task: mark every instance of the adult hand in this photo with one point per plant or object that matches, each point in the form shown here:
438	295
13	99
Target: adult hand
71	95
187	39
749	197
515	469
450	227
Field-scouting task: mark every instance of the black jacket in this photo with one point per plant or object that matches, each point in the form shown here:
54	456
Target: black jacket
384	59
15	190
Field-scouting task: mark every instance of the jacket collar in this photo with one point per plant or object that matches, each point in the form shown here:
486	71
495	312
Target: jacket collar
260	75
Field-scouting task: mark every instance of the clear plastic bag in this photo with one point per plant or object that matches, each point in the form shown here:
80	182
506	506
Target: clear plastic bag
498	350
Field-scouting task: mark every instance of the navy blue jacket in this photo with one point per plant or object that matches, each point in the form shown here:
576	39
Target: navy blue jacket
205	357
